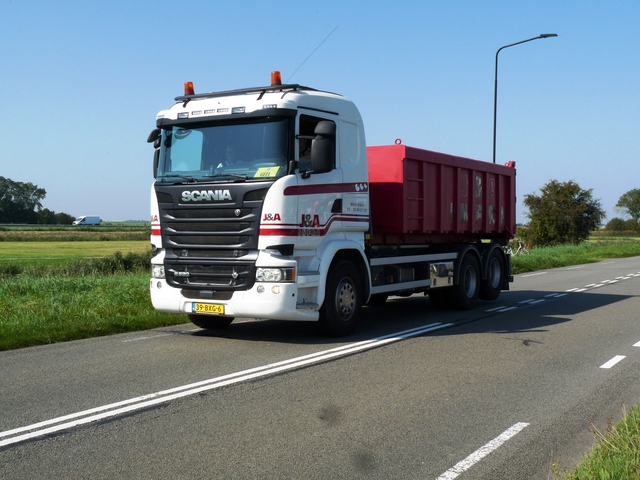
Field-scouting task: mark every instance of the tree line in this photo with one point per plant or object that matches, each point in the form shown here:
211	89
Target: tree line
21	202
563	213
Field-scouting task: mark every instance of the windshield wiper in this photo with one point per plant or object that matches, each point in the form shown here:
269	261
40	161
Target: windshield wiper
240	176
186	177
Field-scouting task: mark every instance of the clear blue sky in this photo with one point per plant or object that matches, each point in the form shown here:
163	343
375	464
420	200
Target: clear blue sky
82	81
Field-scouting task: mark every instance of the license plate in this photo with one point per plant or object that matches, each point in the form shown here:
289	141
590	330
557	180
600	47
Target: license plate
211	308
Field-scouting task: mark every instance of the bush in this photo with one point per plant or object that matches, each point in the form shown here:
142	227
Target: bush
110	265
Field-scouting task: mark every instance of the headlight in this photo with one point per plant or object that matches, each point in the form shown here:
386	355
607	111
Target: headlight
275	274
157	271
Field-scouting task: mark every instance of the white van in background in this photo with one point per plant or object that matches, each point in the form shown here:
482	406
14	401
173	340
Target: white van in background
87	220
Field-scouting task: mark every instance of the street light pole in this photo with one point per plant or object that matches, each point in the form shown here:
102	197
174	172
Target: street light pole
495	87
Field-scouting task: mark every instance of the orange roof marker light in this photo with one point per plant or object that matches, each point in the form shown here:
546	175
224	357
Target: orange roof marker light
276	78
188	88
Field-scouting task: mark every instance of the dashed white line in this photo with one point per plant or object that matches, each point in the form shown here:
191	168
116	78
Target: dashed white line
506	309
637	344
613	361
495	309
479	454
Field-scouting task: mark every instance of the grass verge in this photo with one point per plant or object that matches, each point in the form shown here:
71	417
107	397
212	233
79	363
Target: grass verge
54	308
595	250
617	454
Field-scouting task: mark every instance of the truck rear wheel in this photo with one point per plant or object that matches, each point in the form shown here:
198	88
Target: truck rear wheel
342	305
491	286
209	322
464	295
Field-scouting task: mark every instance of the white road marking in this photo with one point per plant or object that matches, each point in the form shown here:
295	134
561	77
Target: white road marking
137	339
636	344
479	454
534	274
506	309
145	401
613	361
494	309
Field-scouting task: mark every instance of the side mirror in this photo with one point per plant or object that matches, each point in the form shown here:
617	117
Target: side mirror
154	137
323	147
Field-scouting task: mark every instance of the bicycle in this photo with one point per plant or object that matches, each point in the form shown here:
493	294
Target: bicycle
520	251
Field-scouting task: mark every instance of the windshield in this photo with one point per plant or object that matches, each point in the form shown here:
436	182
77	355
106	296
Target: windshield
224	151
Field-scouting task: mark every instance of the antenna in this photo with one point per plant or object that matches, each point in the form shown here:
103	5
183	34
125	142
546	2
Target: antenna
314	51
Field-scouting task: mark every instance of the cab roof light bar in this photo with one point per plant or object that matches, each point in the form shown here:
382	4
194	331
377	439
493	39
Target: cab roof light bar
276	86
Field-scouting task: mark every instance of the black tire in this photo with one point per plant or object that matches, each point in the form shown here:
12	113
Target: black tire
210	322
491	286
378	300
464	295
342	304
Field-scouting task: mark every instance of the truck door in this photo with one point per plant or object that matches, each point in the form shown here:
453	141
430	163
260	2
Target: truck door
319	194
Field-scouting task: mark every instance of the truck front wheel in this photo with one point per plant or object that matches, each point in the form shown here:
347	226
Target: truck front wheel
464	295
209	321
342	305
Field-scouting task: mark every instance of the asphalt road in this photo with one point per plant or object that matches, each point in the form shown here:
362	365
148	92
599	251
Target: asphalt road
508	390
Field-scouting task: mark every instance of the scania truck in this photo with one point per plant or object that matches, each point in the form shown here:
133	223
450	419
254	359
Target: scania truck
268	204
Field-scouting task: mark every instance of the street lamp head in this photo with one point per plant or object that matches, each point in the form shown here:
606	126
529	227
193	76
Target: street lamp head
495	88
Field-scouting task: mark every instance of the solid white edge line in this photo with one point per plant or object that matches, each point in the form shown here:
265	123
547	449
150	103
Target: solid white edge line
187	390
196	384
613	361
482	452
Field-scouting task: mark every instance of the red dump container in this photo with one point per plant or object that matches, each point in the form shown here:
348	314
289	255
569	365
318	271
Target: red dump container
438	197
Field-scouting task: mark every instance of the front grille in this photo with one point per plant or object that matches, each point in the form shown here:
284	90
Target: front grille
236	277
209	246
206	295
187	240
217	253
209	227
